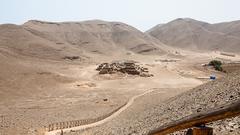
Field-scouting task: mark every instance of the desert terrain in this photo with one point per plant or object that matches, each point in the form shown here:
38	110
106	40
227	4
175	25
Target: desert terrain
48	75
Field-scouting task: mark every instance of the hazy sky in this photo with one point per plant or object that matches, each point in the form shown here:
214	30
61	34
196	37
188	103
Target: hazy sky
142	14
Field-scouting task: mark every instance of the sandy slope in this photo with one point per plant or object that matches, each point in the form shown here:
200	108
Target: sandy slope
196	35
157	112
39	86
95	36
229	28
36	92
107	119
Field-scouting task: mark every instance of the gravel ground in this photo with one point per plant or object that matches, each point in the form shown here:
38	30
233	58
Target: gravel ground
151	112
26	116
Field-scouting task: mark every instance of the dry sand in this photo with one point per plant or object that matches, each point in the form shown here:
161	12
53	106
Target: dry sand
39	86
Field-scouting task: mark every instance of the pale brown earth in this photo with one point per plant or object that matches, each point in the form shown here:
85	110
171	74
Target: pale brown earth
35	93
96	36
199	36
151	111
230	28
40	84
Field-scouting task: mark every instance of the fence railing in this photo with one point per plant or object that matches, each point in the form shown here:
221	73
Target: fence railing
223	112
76	123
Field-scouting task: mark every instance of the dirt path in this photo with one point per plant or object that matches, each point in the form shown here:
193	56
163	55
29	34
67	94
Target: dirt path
130	102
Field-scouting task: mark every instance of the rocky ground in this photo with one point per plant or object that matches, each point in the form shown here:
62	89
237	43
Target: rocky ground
143	117
36	94
125	67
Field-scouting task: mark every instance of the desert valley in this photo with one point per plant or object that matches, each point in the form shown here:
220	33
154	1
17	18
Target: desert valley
49	77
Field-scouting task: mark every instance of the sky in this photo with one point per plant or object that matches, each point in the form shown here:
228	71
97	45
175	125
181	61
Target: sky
142	14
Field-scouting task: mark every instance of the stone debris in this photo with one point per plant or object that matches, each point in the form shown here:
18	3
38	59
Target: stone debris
167	60
126	67
71	57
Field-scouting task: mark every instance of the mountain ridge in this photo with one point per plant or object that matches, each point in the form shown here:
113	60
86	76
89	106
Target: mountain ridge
76	38
196	35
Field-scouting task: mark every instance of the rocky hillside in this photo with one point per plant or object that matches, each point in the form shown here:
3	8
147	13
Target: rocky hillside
196	35
202	98
207	96
229	28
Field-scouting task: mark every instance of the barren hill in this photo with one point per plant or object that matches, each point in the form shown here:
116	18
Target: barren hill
95	36
229	28
56	40
48	74
15	40
196	35
26	49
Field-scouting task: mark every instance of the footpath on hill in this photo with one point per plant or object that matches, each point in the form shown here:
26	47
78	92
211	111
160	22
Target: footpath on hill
148	112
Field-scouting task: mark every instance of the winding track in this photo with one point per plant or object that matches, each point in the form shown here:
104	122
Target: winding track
129	103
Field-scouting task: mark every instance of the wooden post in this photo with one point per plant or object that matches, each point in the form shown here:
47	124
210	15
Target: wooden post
61	125
57	126
202	131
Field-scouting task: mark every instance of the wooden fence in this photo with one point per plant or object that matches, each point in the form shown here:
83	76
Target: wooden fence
76	123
